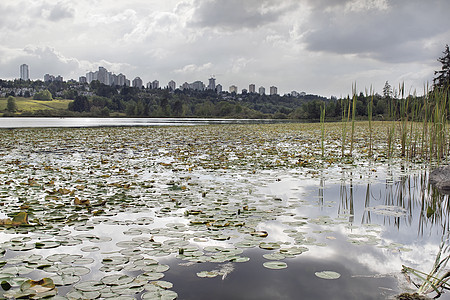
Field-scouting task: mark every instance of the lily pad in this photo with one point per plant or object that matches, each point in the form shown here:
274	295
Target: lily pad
328	275
275	265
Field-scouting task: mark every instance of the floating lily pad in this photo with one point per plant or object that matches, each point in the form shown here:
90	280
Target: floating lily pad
275	265
328	275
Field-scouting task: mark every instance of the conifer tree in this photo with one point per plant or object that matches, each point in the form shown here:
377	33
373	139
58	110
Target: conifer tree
442	79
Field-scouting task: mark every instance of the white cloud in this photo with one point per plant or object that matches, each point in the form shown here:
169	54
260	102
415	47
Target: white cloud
317	46
192	68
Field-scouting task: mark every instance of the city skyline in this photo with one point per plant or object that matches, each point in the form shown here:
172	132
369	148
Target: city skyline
109	78
322	47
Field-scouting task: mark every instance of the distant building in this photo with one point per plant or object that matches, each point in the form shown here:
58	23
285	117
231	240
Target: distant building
262	90
108	78
273	90
121	79
197	86
212	84
185	86
49	78
172	85
251	88
233	89
219	88
82	79
24	72
103	75
90	77
153	85
137	82
244	91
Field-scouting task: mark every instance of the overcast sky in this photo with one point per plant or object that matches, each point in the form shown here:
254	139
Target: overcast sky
316	46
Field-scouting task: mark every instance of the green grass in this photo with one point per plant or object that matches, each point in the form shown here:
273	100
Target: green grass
30	105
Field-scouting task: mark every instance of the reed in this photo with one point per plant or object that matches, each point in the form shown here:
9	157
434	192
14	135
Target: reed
353	118
322	128
437	279
369	116
345	105
404	103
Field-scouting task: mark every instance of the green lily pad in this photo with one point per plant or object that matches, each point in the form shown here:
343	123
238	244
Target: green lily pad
275	265
328	275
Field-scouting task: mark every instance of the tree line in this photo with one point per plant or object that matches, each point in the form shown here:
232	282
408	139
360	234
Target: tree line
97	99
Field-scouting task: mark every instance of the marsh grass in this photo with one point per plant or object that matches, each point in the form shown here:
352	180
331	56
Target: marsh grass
416	130
322	128
369	115
437	279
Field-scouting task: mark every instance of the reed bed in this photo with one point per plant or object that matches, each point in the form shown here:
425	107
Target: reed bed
417	127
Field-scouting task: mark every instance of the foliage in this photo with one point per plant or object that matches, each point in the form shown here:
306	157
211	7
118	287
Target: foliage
80	104
442	79
11	106
43	95
436	280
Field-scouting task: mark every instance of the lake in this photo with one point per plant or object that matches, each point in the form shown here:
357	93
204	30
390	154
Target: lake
108	122
215	211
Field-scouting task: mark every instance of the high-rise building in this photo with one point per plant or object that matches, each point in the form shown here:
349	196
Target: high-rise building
121	79
233	89
90	77
82	79
172	85
219	88
262	90
102	75
212	84
153	85
273	90
24	72
137	82
251	88
197	85
48	77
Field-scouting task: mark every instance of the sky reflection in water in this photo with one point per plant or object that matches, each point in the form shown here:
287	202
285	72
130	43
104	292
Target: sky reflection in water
362	222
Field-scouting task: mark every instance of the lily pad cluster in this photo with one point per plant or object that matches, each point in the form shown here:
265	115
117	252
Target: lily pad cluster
97	210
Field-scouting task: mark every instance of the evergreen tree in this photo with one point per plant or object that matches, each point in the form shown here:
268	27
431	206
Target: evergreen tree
11	105
442	79
387	90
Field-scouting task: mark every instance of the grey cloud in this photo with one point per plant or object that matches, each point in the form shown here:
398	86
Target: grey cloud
394	35
59	12
44	60
237	14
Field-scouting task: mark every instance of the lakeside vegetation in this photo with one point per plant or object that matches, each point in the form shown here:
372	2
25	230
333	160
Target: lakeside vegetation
59	98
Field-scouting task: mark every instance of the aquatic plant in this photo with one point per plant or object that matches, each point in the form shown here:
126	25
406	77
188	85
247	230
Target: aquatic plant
322	128
436	280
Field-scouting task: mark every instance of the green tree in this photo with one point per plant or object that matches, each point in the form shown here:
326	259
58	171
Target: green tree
442	79
387	90
80	104
43	95
11	105
177	108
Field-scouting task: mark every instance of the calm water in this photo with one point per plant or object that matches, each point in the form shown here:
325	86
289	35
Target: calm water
102	122
361	221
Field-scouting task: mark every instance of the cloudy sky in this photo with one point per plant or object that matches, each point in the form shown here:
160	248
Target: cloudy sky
317	46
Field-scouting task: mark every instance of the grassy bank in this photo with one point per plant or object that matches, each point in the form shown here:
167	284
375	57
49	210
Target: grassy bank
30	105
